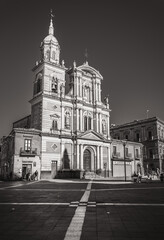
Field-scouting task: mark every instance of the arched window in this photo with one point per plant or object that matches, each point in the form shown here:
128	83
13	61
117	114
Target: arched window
89	123
85	123
48	55
67	120
54	85
39	85
54	125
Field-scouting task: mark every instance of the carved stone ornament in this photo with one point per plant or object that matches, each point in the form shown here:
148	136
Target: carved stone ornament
54	146
55	116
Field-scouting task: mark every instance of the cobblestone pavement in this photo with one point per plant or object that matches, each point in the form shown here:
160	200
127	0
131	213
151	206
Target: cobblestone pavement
81	210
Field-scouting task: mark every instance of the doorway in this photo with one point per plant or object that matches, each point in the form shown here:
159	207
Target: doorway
87	160
26	168
53	169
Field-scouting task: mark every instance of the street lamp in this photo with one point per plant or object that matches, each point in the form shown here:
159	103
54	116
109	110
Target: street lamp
124	144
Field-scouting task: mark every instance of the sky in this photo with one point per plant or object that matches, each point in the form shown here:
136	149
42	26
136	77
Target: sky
124	40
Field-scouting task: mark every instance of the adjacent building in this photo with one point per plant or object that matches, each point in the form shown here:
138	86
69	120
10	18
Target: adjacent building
149	132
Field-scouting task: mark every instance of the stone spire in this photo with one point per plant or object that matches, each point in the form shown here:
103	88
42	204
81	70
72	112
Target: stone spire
51	28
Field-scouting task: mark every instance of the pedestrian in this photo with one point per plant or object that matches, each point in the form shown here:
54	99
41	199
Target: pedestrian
11	175
84	175
29	176
139	177
36	175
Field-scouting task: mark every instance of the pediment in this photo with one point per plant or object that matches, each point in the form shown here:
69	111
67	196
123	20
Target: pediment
89	70
55	116
91	136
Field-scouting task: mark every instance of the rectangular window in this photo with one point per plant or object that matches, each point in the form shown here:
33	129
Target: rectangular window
150	135
137	153
137	137
114	150
150	153
27	145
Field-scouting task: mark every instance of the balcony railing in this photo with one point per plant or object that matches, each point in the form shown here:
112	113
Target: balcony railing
31	152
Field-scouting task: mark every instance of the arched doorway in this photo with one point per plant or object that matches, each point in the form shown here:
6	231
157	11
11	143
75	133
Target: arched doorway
87	160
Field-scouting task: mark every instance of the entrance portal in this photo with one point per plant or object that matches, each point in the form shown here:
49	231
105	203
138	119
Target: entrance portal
87	160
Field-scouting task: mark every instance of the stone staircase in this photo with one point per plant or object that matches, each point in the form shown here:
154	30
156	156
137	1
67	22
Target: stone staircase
91	175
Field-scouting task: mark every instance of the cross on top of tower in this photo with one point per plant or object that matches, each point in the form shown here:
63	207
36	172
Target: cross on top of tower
51	14
51	28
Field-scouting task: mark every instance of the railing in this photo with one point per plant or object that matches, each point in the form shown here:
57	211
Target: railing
31	152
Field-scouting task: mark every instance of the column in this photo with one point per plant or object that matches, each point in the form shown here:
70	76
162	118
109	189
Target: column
95	92
101	157
100	124
91	94
72	119
80	87
77	85
77	155
109	159
62	117
98	92
81	120
81	157
97	122
98	158
77	119
108	127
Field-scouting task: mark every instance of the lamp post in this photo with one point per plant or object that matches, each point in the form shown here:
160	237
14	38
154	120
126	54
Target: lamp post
124	144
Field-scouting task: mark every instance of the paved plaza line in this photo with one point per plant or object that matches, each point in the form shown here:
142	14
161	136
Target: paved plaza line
47	189
75	228
35	203
18	185
131	204
85	204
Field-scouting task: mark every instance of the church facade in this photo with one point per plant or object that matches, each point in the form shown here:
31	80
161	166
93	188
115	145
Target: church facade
67	108
69	123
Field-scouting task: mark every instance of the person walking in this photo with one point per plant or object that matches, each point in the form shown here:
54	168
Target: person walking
36	175
139	177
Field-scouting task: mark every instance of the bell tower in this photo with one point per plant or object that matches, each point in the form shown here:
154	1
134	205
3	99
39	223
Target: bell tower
49	83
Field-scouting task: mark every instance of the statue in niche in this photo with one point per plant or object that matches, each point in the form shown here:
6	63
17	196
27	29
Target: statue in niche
106	100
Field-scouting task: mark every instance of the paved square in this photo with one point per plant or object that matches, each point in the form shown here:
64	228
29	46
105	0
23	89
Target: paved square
81	210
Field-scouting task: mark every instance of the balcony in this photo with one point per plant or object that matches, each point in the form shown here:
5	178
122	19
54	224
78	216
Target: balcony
28	153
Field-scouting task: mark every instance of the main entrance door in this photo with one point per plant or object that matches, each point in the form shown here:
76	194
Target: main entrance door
87	160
